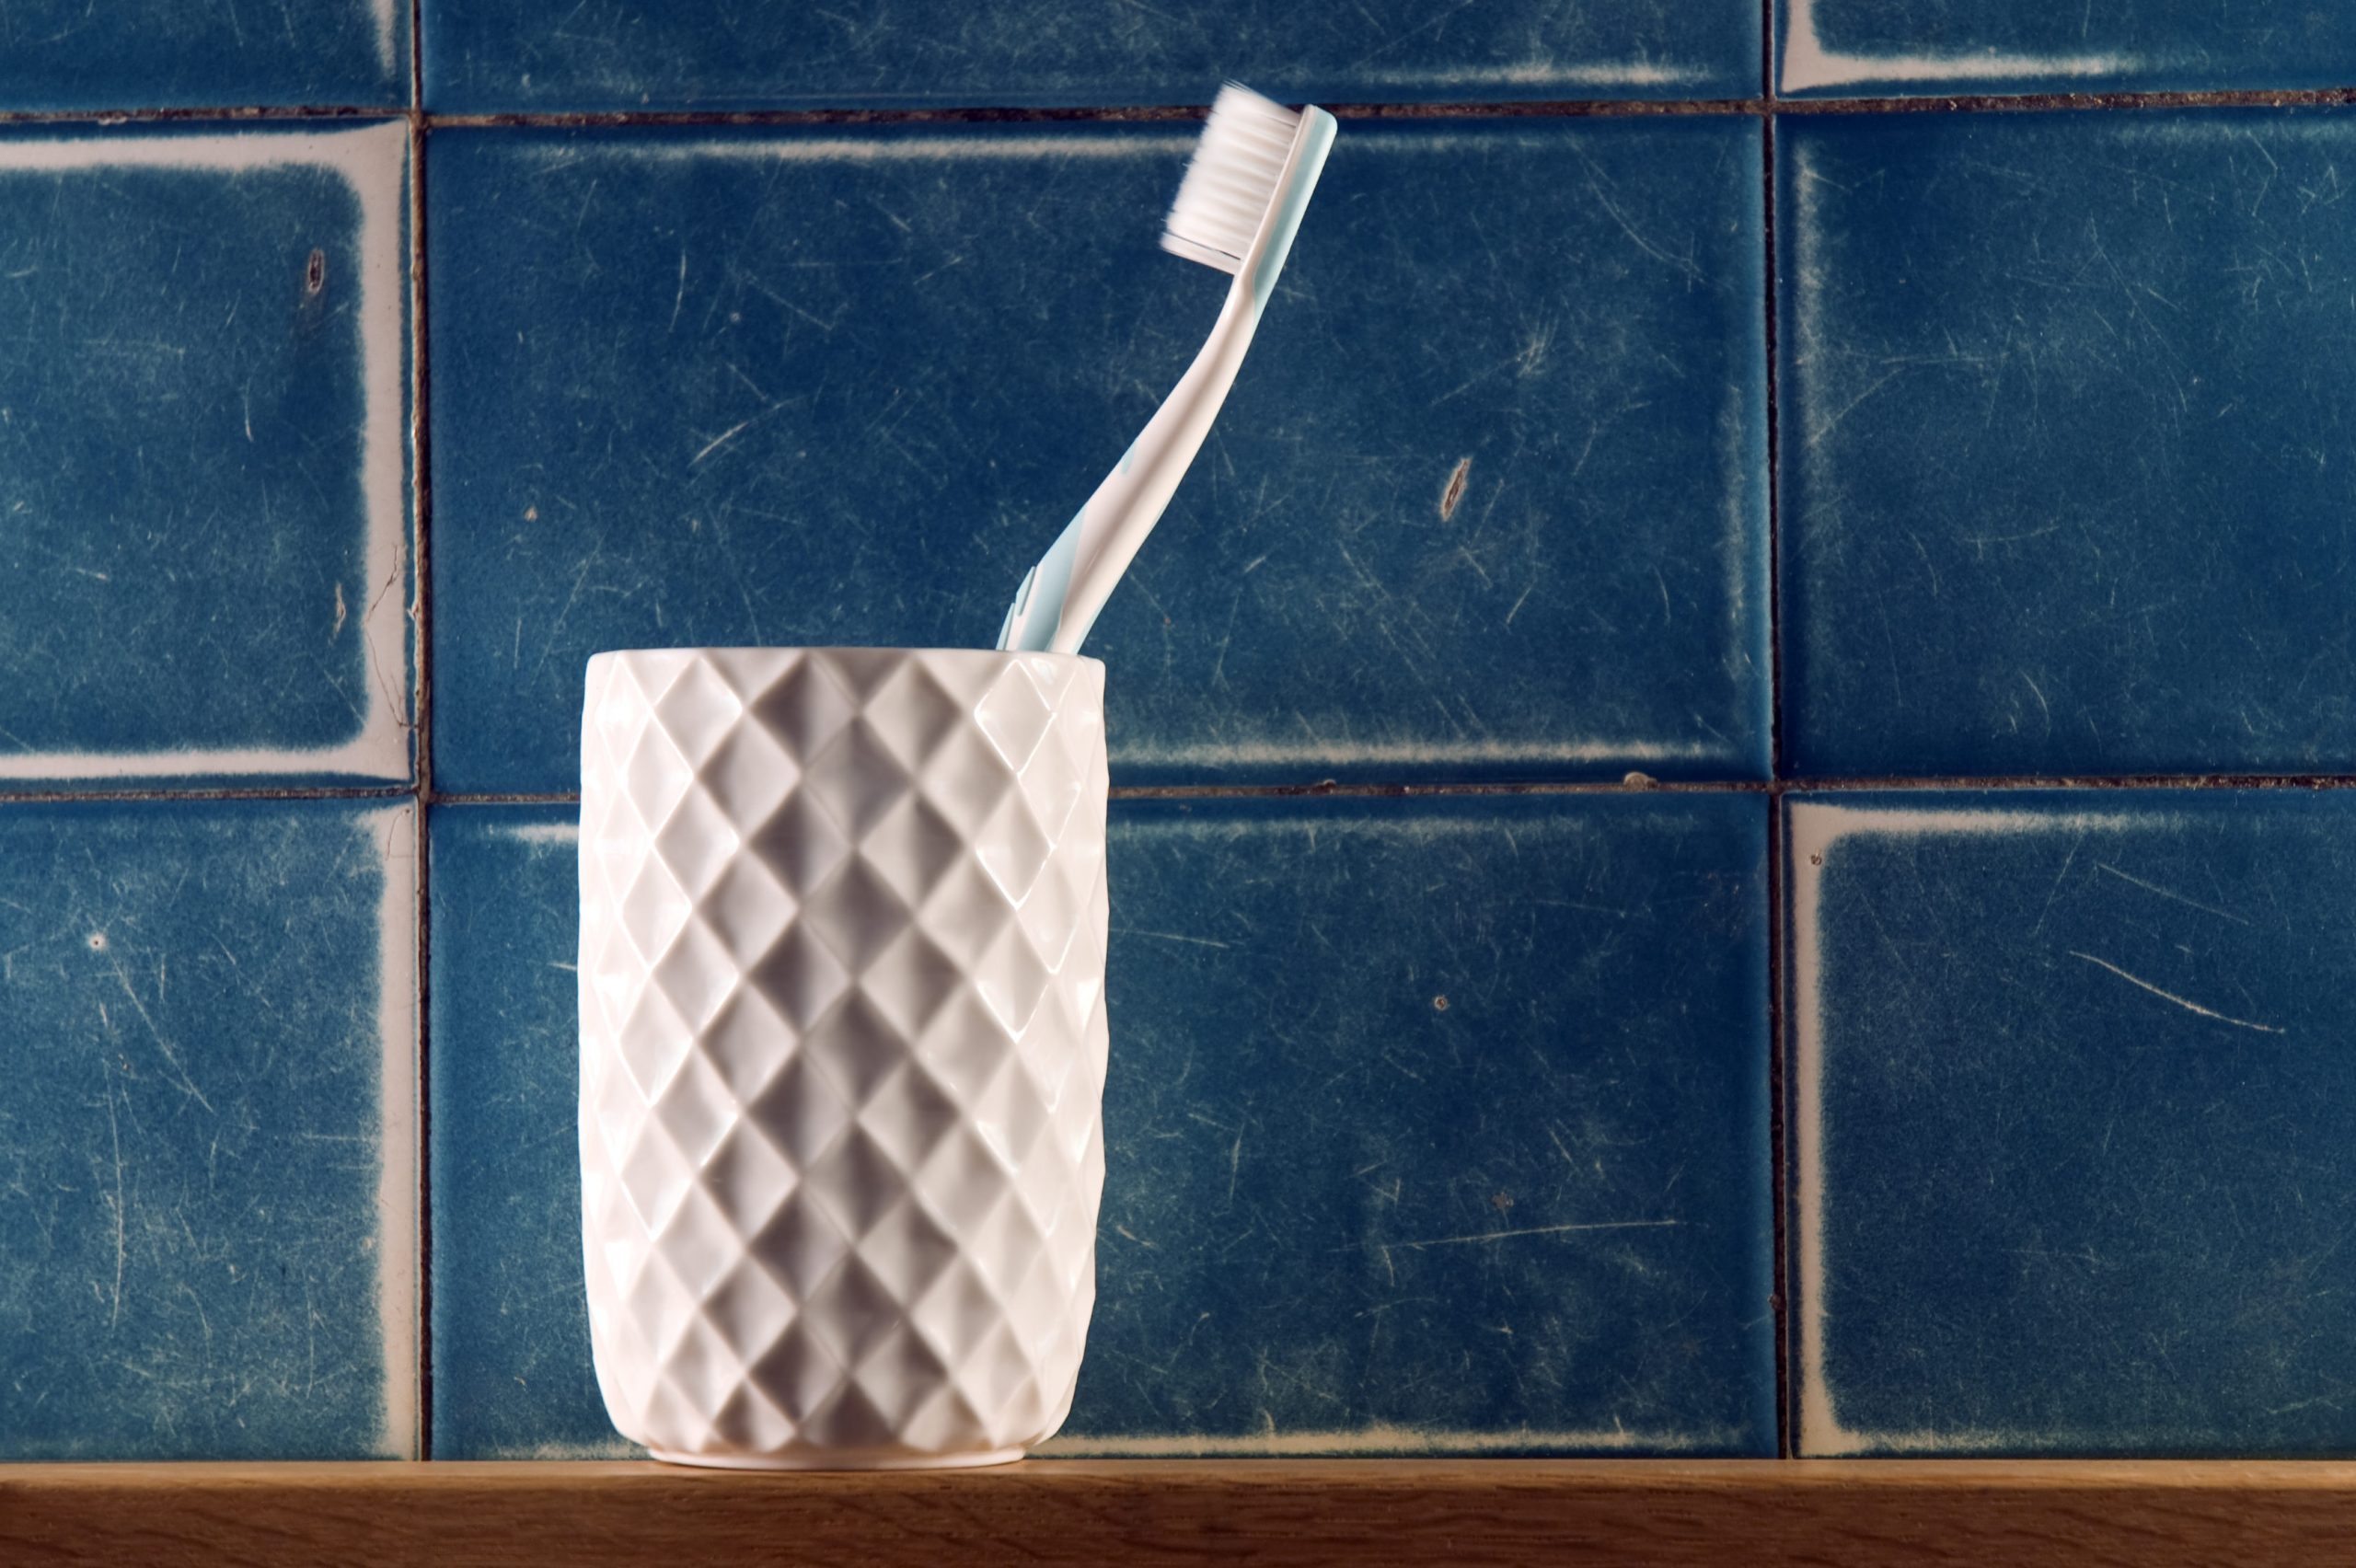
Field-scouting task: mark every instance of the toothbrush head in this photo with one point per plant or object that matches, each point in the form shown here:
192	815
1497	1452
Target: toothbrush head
1231	180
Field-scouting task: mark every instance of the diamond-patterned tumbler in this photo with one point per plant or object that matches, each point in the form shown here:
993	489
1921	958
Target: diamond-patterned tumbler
842	1048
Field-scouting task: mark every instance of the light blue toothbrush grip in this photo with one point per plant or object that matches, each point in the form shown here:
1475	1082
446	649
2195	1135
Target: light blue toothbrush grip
1039	602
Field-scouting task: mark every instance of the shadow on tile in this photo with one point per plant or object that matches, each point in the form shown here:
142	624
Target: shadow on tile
512	1378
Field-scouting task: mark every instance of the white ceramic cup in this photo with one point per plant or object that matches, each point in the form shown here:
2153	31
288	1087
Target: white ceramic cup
842	1048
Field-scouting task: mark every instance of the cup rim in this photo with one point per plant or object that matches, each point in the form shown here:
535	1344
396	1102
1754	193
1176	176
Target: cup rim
617	654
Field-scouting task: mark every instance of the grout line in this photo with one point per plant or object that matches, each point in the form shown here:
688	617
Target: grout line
1778	1135
2311	98
1775	455
249	112
225	792
425	794
421	512
1779	1292
1391	790
422	762
1901	783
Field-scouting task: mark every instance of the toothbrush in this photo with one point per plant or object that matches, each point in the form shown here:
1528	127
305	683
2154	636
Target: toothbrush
1237	209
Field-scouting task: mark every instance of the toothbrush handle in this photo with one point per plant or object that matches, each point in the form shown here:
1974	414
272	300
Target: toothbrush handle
1059	597
1131	497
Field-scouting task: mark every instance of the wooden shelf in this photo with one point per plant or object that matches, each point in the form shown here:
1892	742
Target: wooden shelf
1724	1515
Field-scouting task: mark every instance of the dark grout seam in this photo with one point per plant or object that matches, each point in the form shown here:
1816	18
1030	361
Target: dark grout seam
1601	109
37	795
1778	1145
425	794
421	600
1778	1195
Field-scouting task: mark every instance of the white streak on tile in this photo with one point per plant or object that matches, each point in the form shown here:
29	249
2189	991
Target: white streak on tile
1317	752
373	159
1386	1440
1537	73
384	32
395	833
539	832
1808	63
901	149
1818	827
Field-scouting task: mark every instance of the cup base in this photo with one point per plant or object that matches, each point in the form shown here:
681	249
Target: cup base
845	1460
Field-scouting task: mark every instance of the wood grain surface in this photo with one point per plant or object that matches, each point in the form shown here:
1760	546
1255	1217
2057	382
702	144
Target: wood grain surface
1273	1512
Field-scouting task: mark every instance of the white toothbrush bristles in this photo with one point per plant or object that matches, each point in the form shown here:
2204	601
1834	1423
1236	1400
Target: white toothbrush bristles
1231	178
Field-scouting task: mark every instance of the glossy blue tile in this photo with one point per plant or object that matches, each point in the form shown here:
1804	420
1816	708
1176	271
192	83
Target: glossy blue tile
207	1227
512	1378
1864	48
488	55
1443	1128
1488	500
132	54
2070	1092
2067	497
204	435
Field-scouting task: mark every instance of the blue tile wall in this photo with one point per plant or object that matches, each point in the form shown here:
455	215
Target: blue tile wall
1855	48
2069	499
207	1189
204	429
1444	1127
1429	540
492	55
1480	1188
512	1378
1663	508
144	55
2070	1092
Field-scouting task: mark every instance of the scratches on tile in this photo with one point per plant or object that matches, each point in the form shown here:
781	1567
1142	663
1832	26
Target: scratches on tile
1829	48
1382	1205
2067	1111
1809	64
206	1179
149	54
1406	568
339	714
2003	464
490	55
2166	995
1816	831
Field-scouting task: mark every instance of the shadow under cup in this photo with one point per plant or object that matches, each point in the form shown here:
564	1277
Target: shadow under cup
843	921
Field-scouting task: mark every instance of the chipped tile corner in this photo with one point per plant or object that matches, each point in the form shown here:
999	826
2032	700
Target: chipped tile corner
373	158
